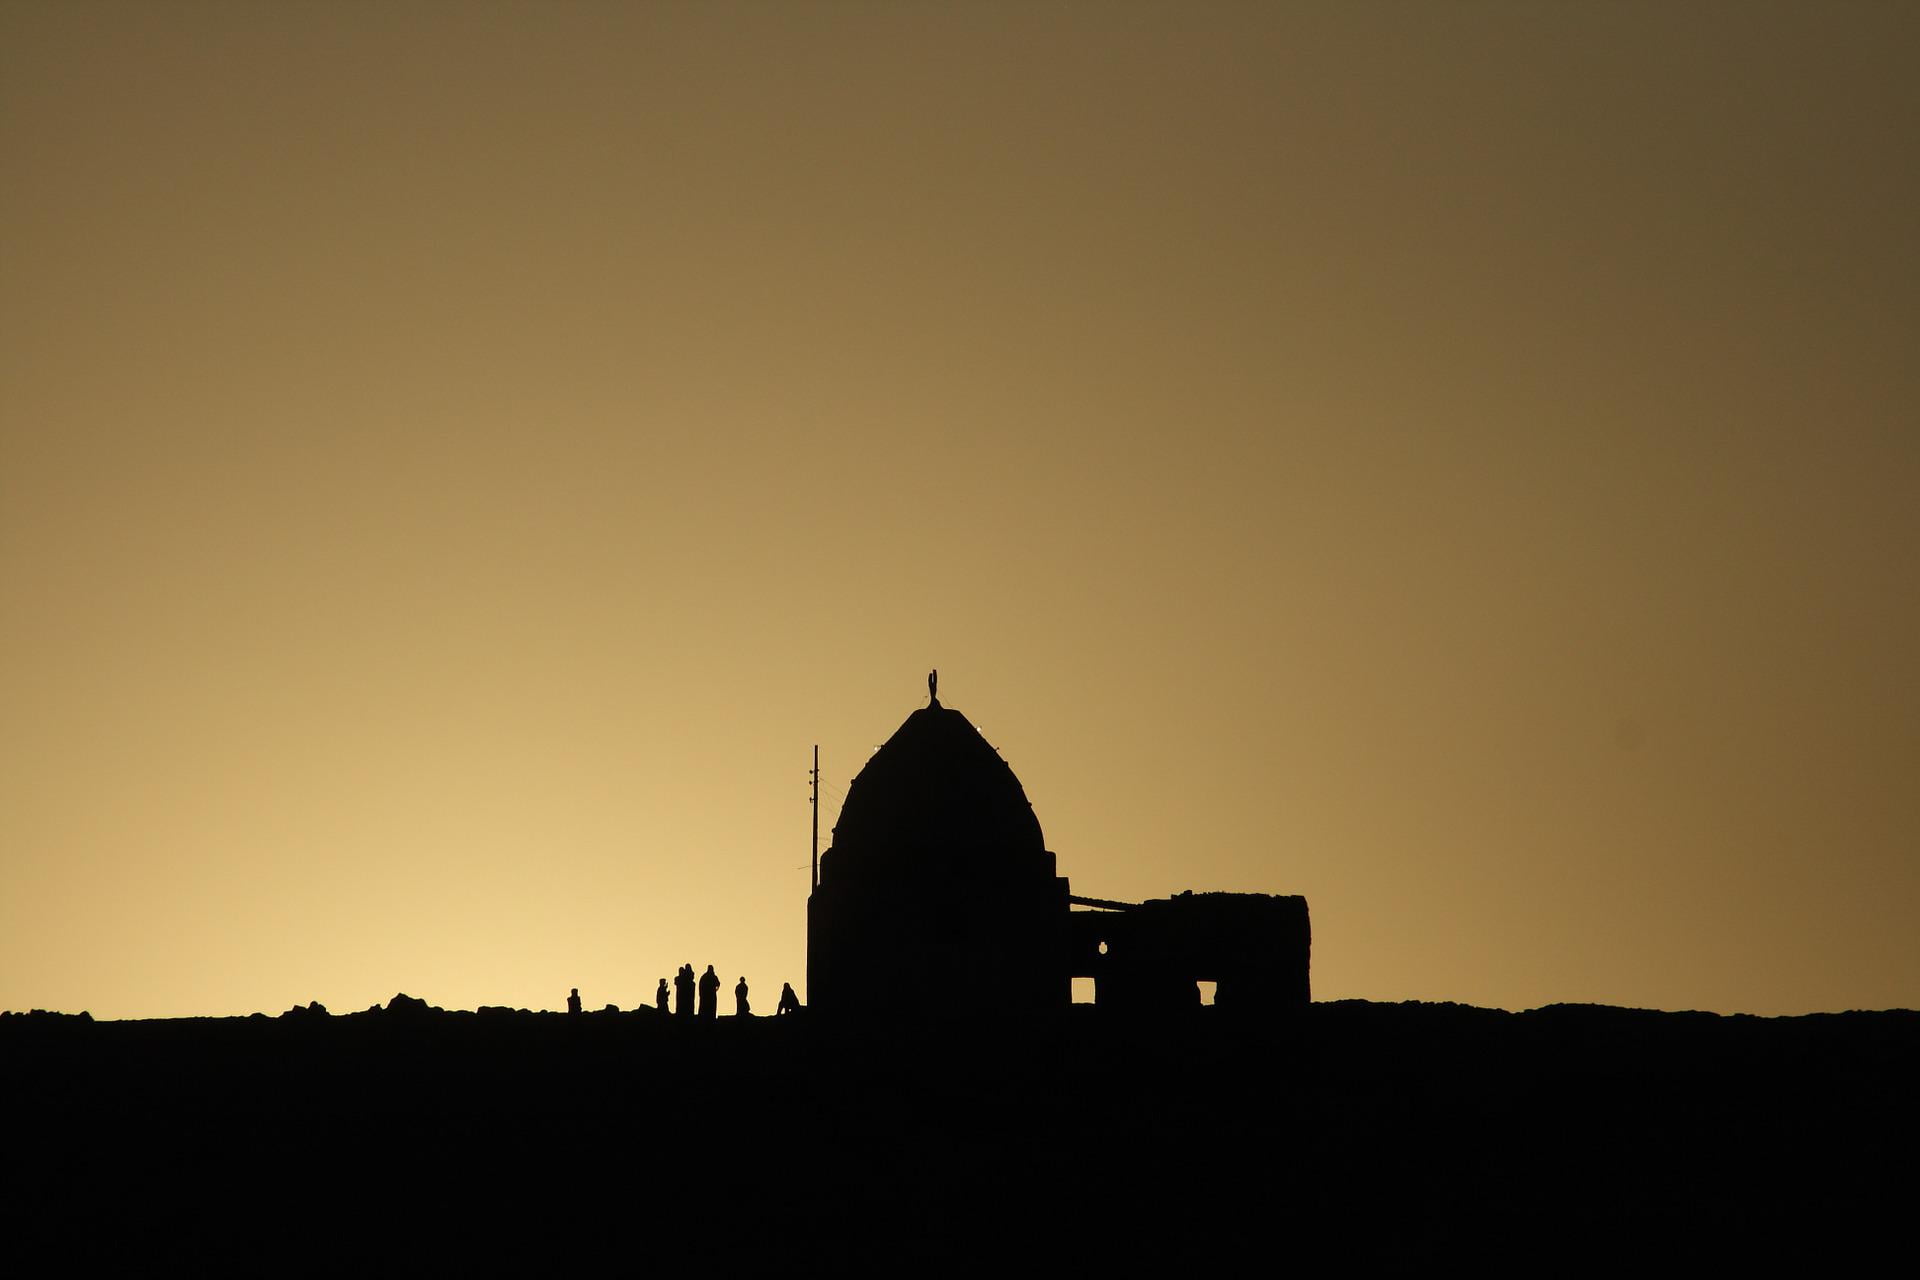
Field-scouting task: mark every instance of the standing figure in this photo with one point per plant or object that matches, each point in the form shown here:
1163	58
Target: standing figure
709	993
740	1007
789	1002
683	992
573	1001
660	997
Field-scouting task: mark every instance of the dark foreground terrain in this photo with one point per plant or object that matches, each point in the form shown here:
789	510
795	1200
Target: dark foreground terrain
409	1139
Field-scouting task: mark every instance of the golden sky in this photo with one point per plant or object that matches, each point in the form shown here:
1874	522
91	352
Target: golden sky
1457	462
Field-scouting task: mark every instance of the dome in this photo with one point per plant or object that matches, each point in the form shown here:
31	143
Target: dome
937	788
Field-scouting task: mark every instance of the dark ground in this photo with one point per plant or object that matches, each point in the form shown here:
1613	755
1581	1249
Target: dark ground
1564	1138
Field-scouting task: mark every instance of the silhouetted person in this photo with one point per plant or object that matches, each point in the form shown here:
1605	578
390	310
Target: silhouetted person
683	992
789	1002
740	1007
573	1001
660	997
709	993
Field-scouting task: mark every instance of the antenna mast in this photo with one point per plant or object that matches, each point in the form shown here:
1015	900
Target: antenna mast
814	802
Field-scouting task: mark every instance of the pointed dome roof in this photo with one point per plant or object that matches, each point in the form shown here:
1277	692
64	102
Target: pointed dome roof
936	787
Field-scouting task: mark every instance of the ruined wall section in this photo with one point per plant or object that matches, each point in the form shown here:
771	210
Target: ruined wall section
1256	948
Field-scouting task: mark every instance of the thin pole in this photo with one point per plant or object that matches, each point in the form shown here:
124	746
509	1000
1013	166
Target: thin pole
815	803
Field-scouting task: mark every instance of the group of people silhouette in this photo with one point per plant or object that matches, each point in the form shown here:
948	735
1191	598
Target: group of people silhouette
700	997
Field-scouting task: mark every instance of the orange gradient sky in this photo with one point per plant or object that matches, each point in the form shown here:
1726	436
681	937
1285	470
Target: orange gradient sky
1457	462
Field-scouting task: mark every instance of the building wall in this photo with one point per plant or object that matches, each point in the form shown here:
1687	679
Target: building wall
900	937
1255	947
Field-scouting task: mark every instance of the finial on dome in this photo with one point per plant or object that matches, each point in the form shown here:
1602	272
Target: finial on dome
933	687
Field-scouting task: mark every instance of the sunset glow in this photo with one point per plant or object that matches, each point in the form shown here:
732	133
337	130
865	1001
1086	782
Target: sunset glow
1453	462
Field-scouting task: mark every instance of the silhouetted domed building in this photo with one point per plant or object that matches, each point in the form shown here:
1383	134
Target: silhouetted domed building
938	885
939	892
